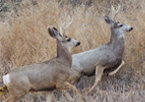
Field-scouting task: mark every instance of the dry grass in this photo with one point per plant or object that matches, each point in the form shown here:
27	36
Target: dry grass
24	40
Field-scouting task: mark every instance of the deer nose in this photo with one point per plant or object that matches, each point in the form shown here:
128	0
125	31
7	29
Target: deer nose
78	44
131	29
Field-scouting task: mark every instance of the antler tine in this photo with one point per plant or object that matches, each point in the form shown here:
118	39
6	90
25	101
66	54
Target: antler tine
61	28
67	26
115	11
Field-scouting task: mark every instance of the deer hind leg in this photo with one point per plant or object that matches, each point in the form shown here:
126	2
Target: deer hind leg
2	95
2	92
14	98
10	99
16	93
115	71
68	86
98	76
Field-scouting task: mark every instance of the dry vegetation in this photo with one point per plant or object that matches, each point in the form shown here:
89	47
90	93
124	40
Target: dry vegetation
24	40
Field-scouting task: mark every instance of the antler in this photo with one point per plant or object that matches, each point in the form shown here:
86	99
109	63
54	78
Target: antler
115	11
62	29
67	26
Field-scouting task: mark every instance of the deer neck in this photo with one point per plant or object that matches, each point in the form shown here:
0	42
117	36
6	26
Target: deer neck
117	42
64	54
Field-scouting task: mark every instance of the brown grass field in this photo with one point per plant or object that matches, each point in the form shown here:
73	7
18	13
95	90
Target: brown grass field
24	40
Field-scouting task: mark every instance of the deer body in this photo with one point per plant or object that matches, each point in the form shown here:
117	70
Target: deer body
108	55
87	61
45	75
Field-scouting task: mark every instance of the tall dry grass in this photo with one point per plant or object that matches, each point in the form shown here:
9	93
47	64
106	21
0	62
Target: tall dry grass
24	37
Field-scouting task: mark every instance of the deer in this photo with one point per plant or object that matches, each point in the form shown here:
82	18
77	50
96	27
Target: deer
103	58
47	76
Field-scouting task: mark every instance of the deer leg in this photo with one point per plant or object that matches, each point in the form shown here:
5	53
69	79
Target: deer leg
69	98
99	72
70	87
49	96
115	71
12	98
16	93
9	99
2	92
2	95
34	95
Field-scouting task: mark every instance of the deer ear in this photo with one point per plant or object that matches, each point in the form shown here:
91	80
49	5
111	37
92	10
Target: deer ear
54	33
109	20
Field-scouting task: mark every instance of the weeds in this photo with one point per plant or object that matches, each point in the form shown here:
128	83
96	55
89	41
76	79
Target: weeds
24	37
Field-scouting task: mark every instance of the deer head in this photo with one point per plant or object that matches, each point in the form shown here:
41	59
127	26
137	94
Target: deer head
63	39
117	27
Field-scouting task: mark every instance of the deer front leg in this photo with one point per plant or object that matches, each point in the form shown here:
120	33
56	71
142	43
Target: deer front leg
115	71
49	96
67	95
68	86
98	76
72	87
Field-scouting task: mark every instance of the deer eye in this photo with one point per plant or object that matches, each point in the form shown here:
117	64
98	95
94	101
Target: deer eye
121	25
68	39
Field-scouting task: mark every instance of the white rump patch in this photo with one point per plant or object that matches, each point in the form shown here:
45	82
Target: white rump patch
6	79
